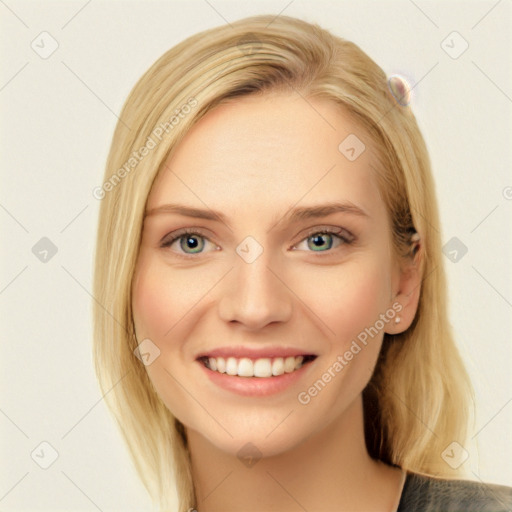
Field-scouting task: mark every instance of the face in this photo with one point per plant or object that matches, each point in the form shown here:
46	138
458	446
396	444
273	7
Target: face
265	247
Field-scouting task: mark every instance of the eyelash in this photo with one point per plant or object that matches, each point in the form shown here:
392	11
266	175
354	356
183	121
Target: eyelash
345	237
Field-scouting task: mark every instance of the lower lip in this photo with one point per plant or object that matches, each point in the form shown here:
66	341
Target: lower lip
255	386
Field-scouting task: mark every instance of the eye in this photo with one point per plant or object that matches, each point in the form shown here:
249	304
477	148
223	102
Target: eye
189	242
326	239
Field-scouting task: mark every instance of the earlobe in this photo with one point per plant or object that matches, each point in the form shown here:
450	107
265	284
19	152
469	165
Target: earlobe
408	295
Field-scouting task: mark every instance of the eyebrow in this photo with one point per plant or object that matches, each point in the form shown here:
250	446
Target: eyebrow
294	215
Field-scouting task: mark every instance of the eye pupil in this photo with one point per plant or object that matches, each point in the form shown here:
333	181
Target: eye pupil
191	242
319	240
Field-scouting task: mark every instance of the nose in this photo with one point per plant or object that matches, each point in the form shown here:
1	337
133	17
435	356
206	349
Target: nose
254	295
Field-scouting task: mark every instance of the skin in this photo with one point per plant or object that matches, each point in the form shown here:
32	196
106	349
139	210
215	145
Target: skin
253	160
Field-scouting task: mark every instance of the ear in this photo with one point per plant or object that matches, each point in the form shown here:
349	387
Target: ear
406	296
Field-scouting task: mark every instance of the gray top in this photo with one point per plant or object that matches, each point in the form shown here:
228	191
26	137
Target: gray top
430	494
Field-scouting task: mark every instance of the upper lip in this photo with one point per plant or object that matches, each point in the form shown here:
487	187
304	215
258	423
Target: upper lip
255	353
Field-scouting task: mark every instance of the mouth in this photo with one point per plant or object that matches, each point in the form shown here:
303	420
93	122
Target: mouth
263	367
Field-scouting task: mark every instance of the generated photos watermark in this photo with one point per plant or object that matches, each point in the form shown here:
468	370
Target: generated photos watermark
344	359
139	154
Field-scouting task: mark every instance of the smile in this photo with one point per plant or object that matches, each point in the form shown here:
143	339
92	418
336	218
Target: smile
262	367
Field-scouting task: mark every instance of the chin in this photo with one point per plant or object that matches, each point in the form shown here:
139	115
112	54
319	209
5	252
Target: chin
260	439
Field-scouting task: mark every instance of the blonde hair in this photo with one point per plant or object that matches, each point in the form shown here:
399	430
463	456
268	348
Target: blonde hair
418	400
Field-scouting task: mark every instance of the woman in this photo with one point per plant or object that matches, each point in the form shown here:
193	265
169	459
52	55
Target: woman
270	321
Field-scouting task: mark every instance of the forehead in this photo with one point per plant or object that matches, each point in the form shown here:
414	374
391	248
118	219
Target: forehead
267	153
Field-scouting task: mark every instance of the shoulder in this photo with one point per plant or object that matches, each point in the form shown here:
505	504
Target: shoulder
422	493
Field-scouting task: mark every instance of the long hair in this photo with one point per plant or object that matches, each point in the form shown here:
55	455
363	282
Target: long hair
418	400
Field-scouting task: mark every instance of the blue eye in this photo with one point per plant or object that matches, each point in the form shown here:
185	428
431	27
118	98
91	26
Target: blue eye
193	242
317	242
324	240
190	242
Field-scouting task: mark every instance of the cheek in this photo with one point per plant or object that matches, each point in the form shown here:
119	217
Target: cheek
160	306
162	300
350	304
350	298
152	303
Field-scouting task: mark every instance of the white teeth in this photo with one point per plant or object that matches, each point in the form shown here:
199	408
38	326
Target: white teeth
263	367
232	366
221	364
245	367
289	364
278	366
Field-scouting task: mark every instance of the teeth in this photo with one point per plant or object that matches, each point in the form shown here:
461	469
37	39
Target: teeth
232	366
221	364
263	368
289	364
245	367
278	366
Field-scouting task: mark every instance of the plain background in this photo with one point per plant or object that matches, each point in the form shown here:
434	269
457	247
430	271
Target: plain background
58	116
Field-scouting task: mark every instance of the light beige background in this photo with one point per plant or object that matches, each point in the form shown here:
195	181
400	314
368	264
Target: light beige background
58	115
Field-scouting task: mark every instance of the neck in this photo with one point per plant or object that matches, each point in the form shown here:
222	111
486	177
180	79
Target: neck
331	470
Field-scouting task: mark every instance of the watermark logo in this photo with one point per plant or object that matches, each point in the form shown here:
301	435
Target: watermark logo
249	44
249	455
44	250
342	360
249	249
44	455
455	455
454	45
351	147
454	249
152	141
45	45
146	352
